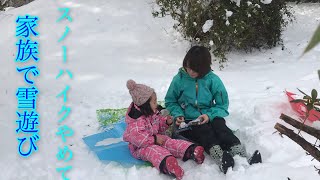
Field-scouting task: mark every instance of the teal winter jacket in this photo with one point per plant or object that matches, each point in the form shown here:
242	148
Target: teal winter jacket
190	97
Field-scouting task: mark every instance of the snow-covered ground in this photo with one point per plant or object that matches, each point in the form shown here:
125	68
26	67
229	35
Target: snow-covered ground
113	41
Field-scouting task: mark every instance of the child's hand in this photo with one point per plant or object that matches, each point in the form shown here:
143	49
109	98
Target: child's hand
179	120
160	140
205	119
169	120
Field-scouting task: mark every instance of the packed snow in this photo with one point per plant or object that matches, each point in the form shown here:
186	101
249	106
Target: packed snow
207	25
266	1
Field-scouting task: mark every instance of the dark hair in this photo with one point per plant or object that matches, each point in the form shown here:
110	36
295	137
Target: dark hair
135	113
146	108
198	58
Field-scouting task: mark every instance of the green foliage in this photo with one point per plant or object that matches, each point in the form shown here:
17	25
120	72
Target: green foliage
304	1
315	40
13	3
251	25
311	102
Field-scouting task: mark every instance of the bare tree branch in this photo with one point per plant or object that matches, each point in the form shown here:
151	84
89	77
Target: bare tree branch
314	152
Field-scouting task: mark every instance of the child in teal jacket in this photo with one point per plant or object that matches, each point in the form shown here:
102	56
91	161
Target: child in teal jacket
196	92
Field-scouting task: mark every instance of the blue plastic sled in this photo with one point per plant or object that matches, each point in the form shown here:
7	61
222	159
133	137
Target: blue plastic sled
109	146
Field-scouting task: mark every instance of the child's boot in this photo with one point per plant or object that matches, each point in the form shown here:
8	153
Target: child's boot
226	162
240	150
223	158
255	158
172	168
194	152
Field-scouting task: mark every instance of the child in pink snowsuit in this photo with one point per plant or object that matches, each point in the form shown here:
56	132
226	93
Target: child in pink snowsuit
145	134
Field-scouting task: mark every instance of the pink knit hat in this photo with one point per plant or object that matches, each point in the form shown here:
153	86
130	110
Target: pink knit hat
140	93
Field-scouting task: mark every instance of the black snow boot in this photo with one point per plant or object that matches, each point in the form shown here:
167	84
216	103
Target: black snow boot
223	158
226	162
255	158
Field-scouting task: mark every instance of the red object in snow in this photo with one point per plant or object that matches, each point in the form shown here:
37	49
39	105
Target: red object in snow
301	108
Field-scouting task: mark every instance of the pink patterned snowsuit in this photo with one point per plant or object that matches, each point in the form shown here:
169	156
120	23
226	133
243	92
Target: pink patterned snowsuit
139	133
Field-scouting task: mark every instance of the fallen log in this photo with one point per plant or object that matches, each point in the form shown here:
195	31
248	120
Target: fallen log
308	129
313	151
